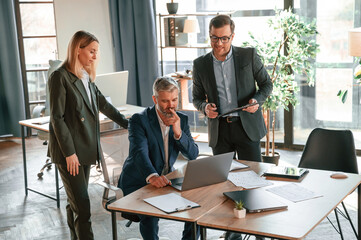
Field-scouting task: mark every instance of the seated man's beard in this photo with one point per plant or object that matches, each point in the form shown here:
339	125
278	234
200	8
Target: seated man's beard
163	112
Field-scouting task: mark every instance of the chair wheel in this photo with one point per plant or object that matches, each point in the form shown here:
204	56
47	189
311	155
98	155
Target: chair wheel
49	167
40	175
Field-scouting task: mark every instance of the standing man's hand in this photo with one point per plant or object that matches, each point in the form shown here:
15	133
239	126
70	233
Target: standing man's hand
159	181
174	120
211	110
252	109
72	164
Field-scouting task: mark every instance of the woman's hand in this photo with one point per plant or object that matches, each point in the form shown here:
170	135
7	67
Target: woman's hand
72	164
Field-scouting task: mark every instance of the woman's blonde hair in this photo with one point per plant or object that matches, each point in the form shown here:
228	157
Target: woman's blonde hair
80	39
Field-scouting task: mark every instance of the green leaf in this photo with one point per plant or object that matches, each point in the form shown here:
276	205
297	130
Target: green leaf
342	94
344	97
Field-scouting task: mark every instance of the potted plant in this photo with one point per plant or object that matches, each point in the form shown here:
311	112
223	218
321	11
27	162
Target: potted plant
172	7
239	210
289	51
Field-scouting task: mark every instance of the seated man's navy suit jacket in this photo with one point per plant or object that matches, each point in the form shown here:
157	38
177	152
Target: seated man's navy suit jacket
146	149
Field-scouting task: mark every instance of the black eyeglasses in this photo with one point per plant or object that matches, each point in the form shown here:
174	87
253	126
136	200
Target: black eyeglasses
224	39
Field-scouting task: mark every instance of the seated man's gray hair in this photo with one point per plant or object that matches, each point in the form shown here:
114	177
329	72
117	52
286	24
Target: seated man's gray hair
166	84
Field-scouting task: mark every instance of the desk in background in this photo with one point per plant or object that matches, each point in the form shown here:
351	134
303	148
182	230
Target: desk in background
42	124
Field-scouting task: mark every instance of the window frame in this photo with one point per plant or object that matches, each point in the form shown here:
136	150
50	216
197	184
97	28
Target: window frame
21	38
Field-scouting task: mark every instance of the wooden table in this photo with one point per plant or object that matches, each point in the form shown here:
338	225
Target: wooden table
209	198
126	110
295	222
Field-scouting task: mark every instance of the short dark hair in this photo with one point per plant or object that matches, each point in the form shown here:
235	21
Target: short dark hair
166	84
220	21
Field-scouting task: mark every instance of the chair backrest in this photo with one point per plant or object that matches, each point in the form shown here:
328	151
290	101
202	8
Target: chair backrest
332	150
53	65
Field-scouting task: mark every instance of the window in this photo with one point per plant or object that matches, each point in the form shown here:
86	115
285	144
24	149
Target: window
37	40
320	106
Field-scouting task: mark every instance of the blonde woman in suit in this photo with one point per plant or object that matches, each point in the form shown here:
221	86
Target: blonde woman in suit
74	143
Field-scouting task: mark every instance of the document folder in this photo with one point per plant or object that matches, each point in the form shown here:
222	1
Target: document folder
285	172
171	202
239	108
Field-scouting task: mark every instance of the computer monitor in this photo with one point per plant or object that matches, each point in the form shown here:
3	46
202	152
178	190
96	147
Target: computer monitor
115	86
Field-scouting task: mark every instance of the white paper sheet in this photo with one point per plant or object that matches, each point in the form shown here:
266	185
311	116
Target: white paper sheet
237	165
248	179
293	192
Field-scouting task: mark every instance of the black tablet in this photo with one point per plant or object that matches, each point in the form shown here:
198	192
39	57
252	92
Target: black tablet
286	172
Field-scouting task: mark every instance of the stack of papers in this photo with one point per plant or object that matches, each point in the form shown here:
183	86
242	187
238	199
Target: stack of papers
182	75
41	121
248	179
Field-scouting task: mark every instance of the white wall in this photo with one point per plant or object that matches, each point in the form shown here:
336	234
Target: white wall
88	15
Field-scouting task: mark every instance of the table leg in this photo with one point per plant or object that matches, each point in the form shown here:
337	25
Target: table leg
114	225
203	233
359	211
194	231
57	186
24	158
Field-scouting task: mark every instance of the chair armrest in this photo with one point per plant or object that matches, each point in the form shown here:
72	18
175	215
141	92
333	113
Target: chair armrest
109	186
109	199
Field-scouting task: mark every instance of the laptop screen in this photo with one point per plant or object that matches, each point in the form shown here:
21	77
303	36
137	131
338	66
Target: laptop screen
207	171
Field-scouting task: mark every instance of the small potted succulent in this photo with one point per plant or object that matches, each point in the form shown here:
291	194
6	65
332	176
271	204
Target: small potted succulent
239	210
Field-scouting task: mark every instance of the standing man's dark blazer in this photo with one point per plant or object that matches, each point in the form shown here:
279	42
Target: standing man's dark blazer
74	122
146	149
249	70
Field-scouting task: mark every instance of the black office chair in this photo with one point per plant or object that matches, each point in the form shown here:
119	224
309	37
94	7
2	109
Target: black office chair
332	150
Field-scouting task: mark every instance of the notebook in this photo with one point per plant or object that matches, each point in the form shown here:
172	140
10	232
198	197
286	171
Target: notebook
256	200
286	172
204	171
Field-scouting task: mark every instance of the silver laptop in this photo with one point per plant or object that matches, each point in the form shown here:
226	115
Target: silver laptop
256	200
204	171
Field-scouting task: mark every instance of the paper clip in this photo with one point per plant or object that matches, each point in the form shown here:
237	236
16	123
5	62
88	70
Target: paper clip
183	208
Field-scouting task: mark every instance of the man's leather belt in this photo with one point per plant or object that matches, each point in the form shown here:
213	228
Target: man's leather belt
231	119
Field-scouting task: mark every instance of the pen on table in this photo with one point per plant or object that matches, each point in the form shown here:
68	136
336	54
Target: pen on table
183	208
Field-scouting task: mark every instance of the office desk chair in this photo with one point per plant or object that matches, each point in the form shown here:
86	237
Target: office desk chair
332	150
112	193
42	111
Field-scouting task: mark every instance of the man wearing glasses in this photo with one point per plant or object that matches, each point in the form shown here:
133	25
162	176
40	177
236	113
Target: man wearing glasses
227	78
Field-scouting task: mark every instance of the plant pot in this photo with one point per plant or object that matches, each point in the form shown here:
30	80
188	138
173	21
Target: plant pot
271	159
172	8
239	213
